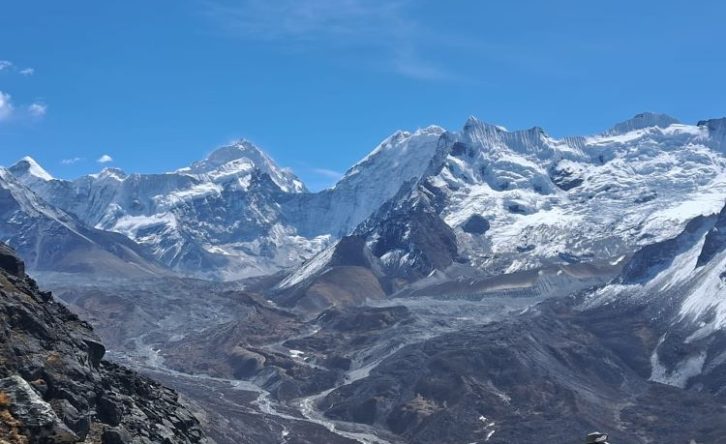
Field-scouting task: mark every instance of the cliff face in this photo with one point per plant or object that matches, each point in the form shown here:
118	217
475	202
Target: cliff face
55	385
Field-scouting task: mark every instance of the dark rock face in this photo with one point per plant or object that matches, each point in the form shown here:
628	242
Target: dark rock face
525	248
651	259
569	257
565	178
10	262
412	230
717	131
351	251
55	387
517	209
458	149
476	224
715	241
646	197
422	233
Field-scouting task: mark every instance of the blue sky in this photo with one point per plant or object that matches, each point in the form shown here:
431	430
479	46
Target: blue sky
155	85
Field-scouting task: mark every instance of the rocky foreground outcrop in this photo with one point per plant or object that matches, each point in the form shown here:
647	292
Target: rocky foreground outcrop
55	386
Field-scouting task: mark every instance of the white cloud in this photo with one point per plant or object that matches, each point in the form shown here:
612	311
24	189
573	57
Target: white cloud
7	65
8	110
6	106
37	109
71	160
105	159
327	173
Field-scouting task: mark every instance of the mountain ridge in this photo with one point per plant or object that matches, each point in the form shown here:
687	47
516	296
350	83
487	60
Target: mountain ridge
236	213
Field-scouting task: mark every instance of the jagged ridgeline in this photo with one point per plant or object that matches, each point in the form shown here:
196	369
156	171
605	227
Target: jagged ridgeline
480	197
55	386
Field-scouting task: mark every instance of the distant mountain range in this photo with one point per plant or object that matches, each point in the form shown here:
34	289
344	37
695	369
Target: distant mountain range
481	198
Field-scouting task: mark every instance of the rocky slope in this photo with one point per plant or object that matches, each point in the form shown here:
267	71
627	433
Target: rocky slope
680	282
55	385
553	373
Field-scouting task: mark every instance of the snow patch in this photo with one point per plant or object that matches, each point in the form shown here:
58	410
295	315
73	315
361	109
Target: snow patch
681	374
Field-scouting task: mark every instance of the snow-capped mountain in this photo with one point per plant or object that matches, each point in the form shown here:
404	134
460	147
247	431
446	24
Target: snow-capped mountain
236	213
401	158
492	201
52	240
28	171
238	162
478	199
518	200
219	217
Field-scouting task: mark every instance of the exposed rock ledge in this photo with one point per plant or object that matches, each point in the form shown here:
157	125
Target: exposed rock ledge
55	386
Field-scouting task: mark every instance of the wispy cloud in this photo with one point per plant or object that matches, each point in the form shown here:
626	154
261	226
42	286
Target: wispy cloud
7	65
8	110
305	19
6	106
331	174
37	109
71	160
387	27
411	65
105	159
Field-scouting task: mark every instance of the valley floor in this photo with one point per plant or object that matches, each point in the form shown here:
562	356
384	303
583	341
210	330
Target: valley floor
474	361
252	409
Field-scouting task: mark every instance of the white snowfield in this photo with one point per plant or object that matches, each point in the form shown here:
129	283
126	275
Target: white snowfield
636	187
237	214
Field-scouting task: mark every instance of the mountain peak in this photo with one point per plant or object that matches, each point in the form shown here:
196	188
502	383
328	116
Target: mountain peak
114	173
239	149
474	123
27	168
642	121
477	130
241	157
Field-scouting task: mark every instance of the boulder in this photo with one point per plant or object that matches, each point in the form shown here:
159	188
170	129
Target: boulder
35	415
10	262
116	435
